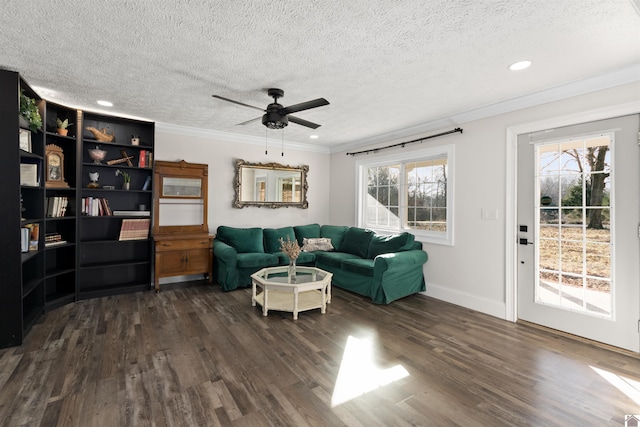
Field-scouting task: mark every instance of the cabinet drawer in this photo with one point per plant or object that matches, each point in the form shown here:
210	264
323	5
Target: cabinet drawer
174	245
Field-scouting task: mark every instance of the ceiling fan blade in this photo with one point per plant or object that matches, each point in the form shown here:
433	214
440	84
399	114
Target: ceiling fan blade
304	106
237	102
249	121
302	122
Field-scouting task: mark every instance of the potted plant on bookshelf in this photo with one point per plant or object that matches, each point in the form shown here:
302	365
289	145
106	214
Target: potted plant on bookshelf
29	111
126	177
62	126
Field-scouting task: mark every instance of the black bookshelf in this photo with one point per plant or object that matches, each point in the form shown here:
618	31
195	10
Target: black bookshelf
107	265
72	255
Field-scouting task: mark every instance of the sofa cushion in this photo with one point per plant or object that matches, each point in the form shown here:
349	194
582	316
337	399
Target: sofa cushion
335	233
319	244
359	266
333	259
256	260
356	241
388	243
272	238
305	258
243	240
310	231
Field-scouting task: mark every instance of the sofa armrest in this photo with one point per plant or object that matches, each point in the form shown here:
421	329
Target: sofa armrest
225	254
397	274
398	260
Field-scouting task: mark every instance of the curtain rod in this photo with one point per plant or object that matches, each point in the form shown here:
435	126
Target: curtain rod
402	144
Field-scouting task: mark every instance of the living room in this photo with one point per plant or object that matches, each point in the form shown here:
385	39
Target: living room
476	270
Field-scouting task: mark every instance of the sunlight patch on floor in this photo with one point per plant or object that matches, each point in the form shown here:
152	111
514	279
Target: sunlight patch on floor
358	374
629	387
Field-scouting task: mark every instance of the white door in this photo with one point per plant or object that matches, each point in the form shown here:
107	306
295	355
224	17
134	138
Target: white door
579	228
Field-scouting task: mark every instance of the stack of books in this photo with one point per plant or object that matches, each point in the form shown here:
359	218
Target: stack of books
53	239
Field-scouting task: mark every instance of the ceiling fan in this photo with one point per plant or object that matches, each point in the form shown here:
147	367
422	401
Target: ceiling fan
276	116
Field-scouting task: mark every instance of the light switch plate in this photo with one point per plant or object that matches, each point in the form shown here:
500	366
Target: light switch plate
489	214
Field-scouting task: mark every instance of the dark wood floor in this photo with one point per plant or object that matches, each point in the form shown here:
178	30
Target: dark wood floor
200	357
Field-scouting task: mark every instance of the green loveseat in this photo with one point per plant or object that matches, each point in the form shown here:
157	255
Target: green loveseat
382	267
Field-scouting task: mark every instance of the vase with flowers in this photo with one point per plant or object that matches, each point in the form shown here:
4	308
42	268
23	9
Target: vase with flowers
292	250
126	177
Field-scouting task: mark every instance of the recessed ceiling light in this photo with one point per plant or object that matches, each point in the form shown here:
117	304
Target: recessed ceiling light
105	103
313	136
520	65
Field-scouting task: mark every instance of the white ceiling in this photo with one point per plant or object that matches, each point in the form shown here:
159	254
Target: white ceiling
387	67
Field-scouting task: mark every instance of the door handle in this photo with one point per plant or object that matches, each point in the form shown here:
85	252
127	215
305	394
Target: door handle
524	242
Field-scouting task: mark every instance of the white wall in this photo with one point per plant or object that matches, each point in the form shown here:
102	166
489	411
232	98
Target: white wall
220	156
472	272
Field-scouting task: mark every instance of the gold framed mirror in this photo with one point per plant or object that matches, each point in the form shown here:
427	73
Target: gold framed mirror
271	185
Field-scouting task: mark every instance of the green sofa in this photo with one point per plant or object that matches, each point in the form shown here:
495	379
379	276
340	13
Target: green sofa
382	267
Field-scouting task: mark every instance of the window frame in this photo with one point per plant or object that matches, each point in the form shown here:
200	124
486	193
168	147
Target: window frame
440	238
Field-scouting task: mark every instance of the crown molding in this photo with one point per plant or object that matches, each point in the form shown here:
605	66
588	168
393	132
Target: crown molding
581	87
234	137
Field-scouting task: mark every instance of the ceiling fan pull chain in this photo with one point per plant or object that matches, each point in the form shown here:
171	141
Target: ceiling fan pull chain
282	142
265	141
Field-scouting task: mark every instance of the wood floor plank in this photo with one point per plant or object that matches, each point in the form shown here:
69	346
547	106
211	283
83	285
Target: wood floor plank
198	356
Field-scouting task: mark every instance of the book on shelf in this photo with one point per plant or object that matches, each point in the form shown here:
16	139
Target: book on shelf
34	236
131	213
142	159
29	174
147	183
56	243
134	229
24	239
57	206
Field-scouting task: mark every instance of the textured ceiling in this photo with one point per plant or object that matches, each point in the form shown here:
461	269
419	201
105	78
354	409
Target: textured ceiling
383	65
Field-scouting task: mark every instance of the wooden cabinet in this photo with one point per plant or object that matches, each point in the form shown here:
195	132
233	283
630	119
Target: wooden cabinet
183	245
183	255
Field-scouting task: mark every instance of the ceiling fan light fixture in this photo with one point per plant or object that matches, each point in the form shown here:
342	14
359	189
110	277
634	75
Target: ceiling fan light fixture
273	120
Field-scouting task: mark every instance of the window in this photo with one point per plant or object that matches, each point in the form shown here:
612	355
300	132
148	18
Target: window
412	192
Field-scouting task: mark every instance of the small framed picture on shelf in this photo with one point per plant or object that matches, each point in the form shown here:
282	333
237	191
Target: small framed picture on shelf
25	140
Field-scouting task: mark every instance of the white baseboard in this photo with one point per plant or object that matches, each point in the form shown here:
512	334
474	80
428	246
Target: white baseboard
474	302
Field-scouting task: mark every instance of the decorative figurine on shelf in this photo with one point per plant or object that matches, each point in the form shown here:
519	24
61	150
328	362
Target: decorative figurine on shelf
135	140
102	135
55	167
93	176
62	126
96	154
126	177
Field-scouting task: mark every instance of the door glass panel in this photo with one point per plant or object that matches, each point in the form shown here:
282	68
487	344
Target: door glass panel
574	256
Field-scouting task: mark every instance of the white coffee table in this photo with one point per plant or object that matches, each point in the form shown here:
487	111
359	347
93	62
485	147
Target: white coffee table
312	289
